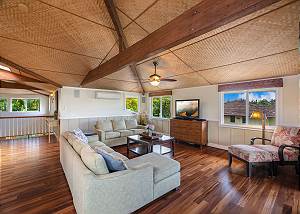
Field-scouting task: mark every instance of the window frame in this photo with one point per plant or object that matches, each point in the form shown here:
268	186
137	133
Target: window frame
26	108
132	96
160	108
246	125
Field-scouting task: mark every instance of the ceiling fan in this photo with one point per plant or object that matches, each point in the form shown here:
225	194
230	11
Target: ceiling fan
155	79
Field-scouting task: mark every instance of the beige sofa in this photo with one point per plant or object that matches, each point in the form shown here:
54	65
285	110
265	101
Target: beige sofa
95	190
114	132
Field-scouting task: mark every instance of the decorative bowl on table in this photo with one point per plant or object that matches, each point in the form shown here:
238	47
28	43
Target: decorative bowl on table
148	136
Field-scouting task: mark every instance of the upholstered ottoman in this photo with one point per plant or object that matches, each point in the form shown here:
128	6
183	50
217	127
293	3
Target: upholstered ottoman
166	172
250	155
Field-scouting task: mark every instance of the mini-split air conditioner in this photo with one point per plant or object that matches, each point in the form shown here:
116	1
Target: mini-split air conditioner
108	95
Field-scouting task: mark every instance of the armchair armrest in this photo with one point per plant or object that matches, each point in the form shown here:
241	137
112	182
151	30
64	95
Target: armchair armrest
258	138
282	147
101	134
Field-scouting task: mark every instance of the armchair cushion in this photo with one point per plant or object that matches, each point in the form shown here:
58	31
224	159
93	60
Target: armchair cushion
286	135
250	153
288	153
131	124
118	125
104	125
111	135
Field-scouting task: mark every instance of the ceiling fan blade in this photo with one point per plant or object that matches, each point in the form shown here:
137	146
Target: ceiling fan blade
168	80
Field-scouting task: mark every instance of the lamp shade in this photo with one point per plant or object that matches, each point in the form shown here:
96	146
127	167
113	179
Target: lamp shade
257	115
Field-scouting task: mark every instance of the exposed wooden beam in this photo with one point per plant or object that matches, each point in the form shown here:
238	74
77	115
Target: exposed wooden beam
17	86
200	19
38	92
27	71
123	43
5	75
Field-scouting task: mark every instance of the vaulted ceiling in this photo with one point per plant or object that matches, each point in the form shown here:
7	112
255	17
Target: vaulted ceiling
63	40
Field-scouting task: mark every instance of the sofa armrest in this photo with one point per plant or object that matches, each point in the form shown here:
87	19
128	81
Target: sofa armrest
120	192
280	151
101	134
258	138
141	127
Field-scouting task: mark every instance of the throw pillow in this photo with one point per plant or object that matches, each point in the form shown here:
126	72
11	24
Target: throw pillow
80	135
113	162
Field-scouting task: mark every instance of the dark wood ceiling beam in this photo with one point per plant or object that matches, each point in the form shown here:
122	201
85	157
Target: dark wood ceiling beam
9	76
123	43
38	92
200	19
27	71
17	86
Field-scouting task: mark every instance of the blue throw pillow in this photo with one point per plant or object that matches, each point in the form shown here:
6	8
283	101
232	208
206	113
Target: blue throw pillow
113	162
80	135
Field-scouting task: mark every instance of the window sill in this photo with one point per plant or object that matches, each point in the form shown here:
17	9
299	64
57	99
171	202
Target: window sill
247	127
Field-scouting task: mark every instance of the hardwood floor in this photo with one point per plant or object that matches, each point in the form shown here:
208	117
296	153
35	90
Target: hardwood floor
32	181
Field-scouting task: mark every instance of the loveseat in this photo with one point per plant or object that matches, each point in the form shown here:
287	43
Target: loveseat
96	190
115	132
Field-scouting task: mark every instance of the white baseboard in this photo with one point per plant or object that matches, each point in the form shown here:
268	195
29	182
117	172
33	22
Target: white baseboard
218	146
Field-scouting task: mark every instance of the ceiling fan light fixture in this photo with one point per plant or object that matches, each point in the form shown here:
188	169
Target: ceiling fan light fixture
154	80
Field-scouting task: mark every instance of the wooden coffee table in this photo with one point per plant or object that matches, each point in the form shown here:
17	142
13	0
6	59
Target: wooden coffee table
146	145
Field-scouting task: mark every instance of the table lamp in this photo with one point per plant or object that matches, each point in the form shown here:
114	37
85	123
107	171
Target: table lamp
257	115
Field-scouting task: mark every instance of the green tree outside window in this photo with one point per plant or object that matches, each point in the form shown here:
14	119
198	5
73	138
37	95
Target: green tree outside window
132	104
33	105
156	107
3	104
166	107
18	105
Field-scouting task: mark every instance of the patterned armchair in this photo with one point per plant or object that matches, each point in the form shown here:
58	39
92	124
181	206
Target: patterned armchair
284	149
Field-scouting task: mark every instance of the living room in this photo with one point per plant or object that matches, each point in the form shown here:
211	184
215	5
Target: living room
157	106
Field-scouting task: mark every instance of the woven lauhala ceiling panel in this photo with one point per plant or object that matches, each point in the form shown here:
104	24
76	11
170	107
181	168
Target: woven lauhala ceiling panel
105	83
44	58
273	33
134	33
273	66
126	74
45	25
169	65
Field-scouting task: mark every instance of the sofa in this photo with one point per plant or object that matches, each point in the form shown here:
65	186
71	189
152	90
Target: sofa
96	190
114	132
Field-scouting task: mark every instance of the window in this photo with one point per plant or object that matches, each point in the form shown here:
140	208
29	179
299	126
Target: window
33	104
25	105
3	104
132	104
161	107
237	107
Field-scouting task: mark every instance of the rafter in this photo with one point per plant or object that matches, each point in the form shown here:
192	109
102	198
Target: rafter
9	76
200	19
17	86
27	71
123	43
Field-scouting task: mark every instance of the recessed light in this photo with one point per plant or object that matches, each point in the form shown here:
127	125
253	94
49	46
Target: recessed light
2	67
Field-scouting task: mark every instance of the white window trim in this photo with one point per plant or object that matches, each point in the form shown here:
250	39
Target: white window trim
247	126
132	96
25	99
160	113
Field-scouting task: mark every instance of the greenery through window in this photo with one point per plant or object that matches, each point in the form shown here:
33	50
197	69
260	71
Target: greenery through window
161	107
238	107
132	104
33	104
3	104
25	105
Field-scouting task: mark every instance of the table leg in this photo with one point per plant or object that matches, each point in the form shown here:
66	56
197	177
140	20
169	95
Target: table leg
49	137
128	142
173	147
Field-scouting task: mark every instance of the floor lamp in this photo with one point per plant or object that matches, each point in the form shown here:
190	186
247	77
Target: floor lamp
257	115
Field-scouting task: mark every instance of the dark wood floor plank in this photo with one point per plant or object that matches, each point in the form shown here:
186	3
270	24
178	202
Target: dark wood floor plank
32	181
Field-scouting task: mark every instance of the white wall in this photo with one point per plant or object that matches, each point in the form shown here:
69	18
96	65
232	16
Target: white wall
87	106
9	94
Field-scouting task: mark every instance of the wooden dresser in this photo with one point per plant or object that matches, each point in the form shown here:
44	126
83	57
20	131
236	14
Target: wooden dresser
191	131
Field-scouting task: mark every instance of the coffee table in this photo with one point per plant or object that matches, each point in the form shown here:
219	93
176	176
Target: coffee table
147	145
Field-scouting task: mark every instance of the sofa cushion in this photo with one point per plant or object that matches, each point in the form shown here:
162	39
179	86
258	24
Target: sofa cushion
289	154
113	162
163	167
67	136
95	143
111	135
131	124
250	153
93	138
105	148
125	133
286	135
137	131
77	143
79	133
118	125
104	125
93	161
